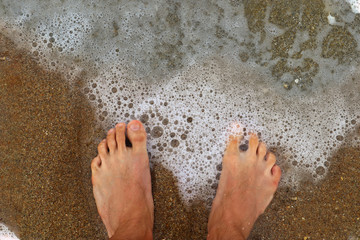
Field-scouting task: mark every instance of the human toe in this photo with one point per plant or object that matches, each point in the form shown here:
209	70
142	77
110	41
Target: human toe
276	174
103	149
233	144
95	163
270	160
261	151
110	140
120	129
95	167
137	135
253	144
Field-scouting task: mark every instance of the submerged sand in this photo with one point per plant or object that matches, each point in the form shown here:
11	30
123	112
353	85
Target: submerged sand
47	134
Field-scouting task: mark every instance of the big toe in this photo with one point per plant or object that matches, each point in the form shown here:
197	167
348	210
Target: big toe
233	144
137	135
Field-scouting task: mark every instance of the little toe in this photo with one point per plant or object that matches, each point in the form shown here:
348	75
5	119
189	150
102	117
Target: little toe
120	135
261	151
253	144
110	140
95	164
103	149
137	135
276	173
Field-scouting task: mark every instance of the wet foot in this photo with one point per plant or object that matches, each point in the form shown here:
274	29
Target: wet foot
122	183
247	184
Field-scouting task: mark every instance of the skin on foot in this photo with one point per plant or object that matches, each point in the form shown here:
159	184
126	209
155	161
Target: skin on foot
122	183
247	184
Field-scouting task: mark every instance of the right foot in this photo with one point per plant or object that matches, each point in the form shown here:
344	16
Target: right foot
247	184
122	185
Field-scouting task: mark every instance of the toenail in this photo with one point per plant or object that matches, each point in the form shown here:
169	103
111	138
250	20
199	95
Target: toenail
110	131
120	124
135	126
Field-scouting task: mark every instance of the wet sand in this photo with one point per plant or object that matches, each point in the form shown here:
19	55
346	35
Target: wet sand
328	210
48	137
44	150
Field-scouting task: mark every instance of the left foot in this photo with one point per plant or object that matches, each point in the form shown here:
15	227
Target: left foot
247	184
122	183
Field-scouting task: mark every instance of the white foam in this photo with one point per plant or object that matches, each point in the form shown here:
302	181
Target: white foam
6	234
355	5
304	127
157	59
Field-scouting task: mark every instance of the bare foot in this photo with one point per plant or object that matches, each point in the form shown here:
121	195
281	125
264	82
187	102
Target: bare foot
122	183
247	184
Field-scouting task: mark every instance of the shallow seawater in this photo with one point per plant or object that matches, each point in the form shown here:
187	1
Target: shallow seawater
288	70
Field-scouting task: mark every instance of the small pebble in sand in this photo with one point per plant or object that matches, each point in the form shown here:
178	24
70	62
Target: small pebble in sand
286	86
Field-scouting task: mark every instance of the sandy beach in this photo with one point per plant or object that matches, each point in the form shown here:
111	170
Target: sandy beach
47	130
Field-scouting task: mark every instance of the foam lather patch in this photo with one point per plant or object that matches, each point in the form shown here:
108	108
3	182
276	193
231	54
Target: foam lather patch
188	70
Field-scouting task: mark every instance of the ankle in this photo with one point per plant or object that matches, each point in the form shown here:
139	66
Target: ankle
138	233
227	223
225	232
134	230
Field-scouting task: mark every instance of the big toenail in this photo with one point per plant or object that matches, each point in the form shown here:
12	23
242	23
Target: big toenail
135	126
110	131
